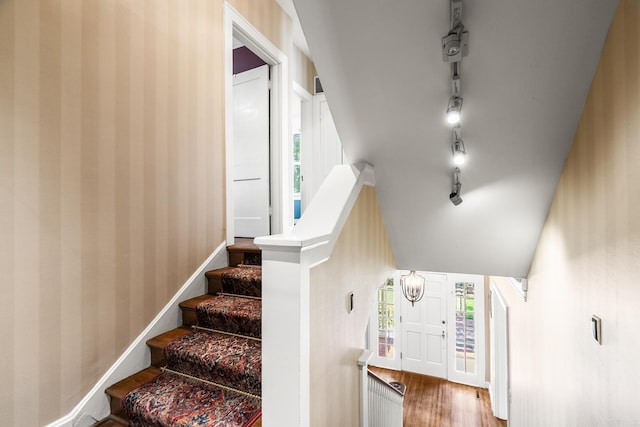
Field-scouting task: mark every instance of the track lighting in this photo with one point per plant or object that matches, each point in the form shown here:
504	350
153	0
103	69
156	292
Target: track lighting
455	44
458	152
455	197
454	108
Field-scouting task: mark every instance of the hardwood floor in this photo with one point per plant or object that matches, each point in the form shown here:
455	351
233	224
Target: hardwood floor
434	402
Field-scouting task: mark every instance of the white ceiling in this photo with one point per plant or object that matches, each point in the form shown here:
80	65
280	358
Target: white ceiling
524	84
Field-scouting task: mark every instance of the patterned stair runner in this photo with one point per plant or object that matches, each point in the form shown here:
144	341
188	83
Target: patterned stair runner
228	360
244	280
234	314
213	375
173	400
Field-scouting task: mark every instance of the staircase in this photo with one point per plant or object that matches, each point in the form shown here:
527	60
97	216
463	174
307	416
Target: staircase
208	371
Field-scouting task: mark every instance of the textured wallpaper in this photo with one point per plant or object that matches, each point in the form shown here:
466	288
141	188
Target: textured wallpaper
360	262
588	262
112	177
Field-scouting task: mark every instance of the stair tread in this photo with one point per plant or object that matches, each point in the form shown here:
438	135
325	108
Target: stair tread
121	388
229	360
218	272
192	303
180	401
244	280
110	422
244	245
233	314
165	338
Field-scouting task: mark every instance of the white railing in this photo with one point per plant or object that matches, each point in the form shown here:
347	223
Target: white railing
380	402
385	403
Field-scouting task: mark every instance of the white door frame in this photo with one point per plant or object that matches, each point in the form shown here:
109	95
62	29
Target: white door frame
306	136
499	343
281	152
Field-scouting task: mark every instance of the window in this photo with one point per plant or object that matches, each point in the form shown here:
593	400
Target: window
386	326
465	328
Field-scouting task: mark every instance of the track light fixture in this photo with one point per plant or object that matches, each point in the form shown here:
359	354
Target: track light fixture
454	110
459	152
455	45
455	197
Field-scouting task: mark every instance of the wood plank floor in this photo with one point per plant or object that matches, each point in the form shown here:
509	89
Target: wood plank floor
434	402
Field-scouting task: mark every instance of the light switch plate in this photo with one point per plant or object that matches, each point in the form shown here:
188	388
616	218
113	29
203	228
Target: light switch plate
596	329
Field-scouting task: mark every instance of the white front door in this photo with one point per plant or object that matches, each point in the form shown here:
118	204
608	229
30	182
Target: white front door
466	329
424	339
251	152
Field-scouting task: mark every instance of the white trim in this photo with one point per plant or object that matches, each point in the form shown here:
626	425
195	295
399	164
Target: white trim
363	366
521	286
286	263
235	25
499	350
306	136
95	405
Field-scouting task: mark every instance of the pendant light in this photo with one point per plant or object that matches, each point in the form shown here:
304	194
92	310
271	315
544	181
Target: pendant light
412	286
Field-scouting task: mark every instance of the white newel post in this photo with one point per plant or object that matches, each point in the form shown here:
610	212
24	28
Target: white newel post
286	262
285	329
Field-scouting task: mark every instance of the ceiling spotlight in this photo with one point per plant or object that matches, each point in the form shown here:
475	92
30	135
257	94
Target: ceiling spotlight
455	44
455	197
458	152
454	109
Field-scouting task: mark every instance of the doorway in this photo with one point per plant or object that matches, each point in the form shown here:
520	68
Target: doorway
274	191
442	335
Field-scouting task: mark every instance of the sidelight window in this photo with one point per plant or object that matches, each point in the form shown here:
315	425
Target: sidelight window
465	327
386	324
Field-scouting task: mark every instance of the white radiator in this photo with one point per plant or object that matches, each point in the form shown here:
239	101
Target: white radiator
385	403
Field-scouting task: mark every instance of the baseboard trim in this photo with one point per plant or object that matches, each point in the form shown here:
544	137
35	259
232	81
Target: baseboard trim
95	405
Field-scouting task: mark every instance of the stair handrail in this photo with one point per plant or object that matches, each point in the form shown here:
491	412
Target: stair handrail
384	383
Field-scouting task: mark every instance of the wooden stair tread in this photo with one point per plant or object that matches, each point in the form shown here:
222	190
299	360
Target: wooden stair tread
188	307
243	245
121	388
220	271
157	344
111	422
163	339
193	302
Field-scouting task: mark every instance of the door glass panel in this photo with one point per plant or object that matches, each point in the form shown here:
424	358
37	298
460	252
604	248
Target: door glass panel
296	125
386	324
465	328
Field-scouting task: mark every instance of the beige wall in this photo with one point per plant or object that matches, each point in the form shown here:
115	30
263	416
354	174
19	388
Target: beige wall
588	262
360	262
111	179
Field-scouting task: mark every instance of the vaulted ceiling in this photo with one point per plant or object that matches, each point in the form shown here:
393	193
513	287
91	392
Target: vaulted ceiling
524	84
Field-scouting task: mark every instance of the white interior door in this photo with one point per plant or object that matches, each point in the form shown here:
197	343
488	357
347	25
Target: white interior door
498	324
466	330
251	152
424	338
327	148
